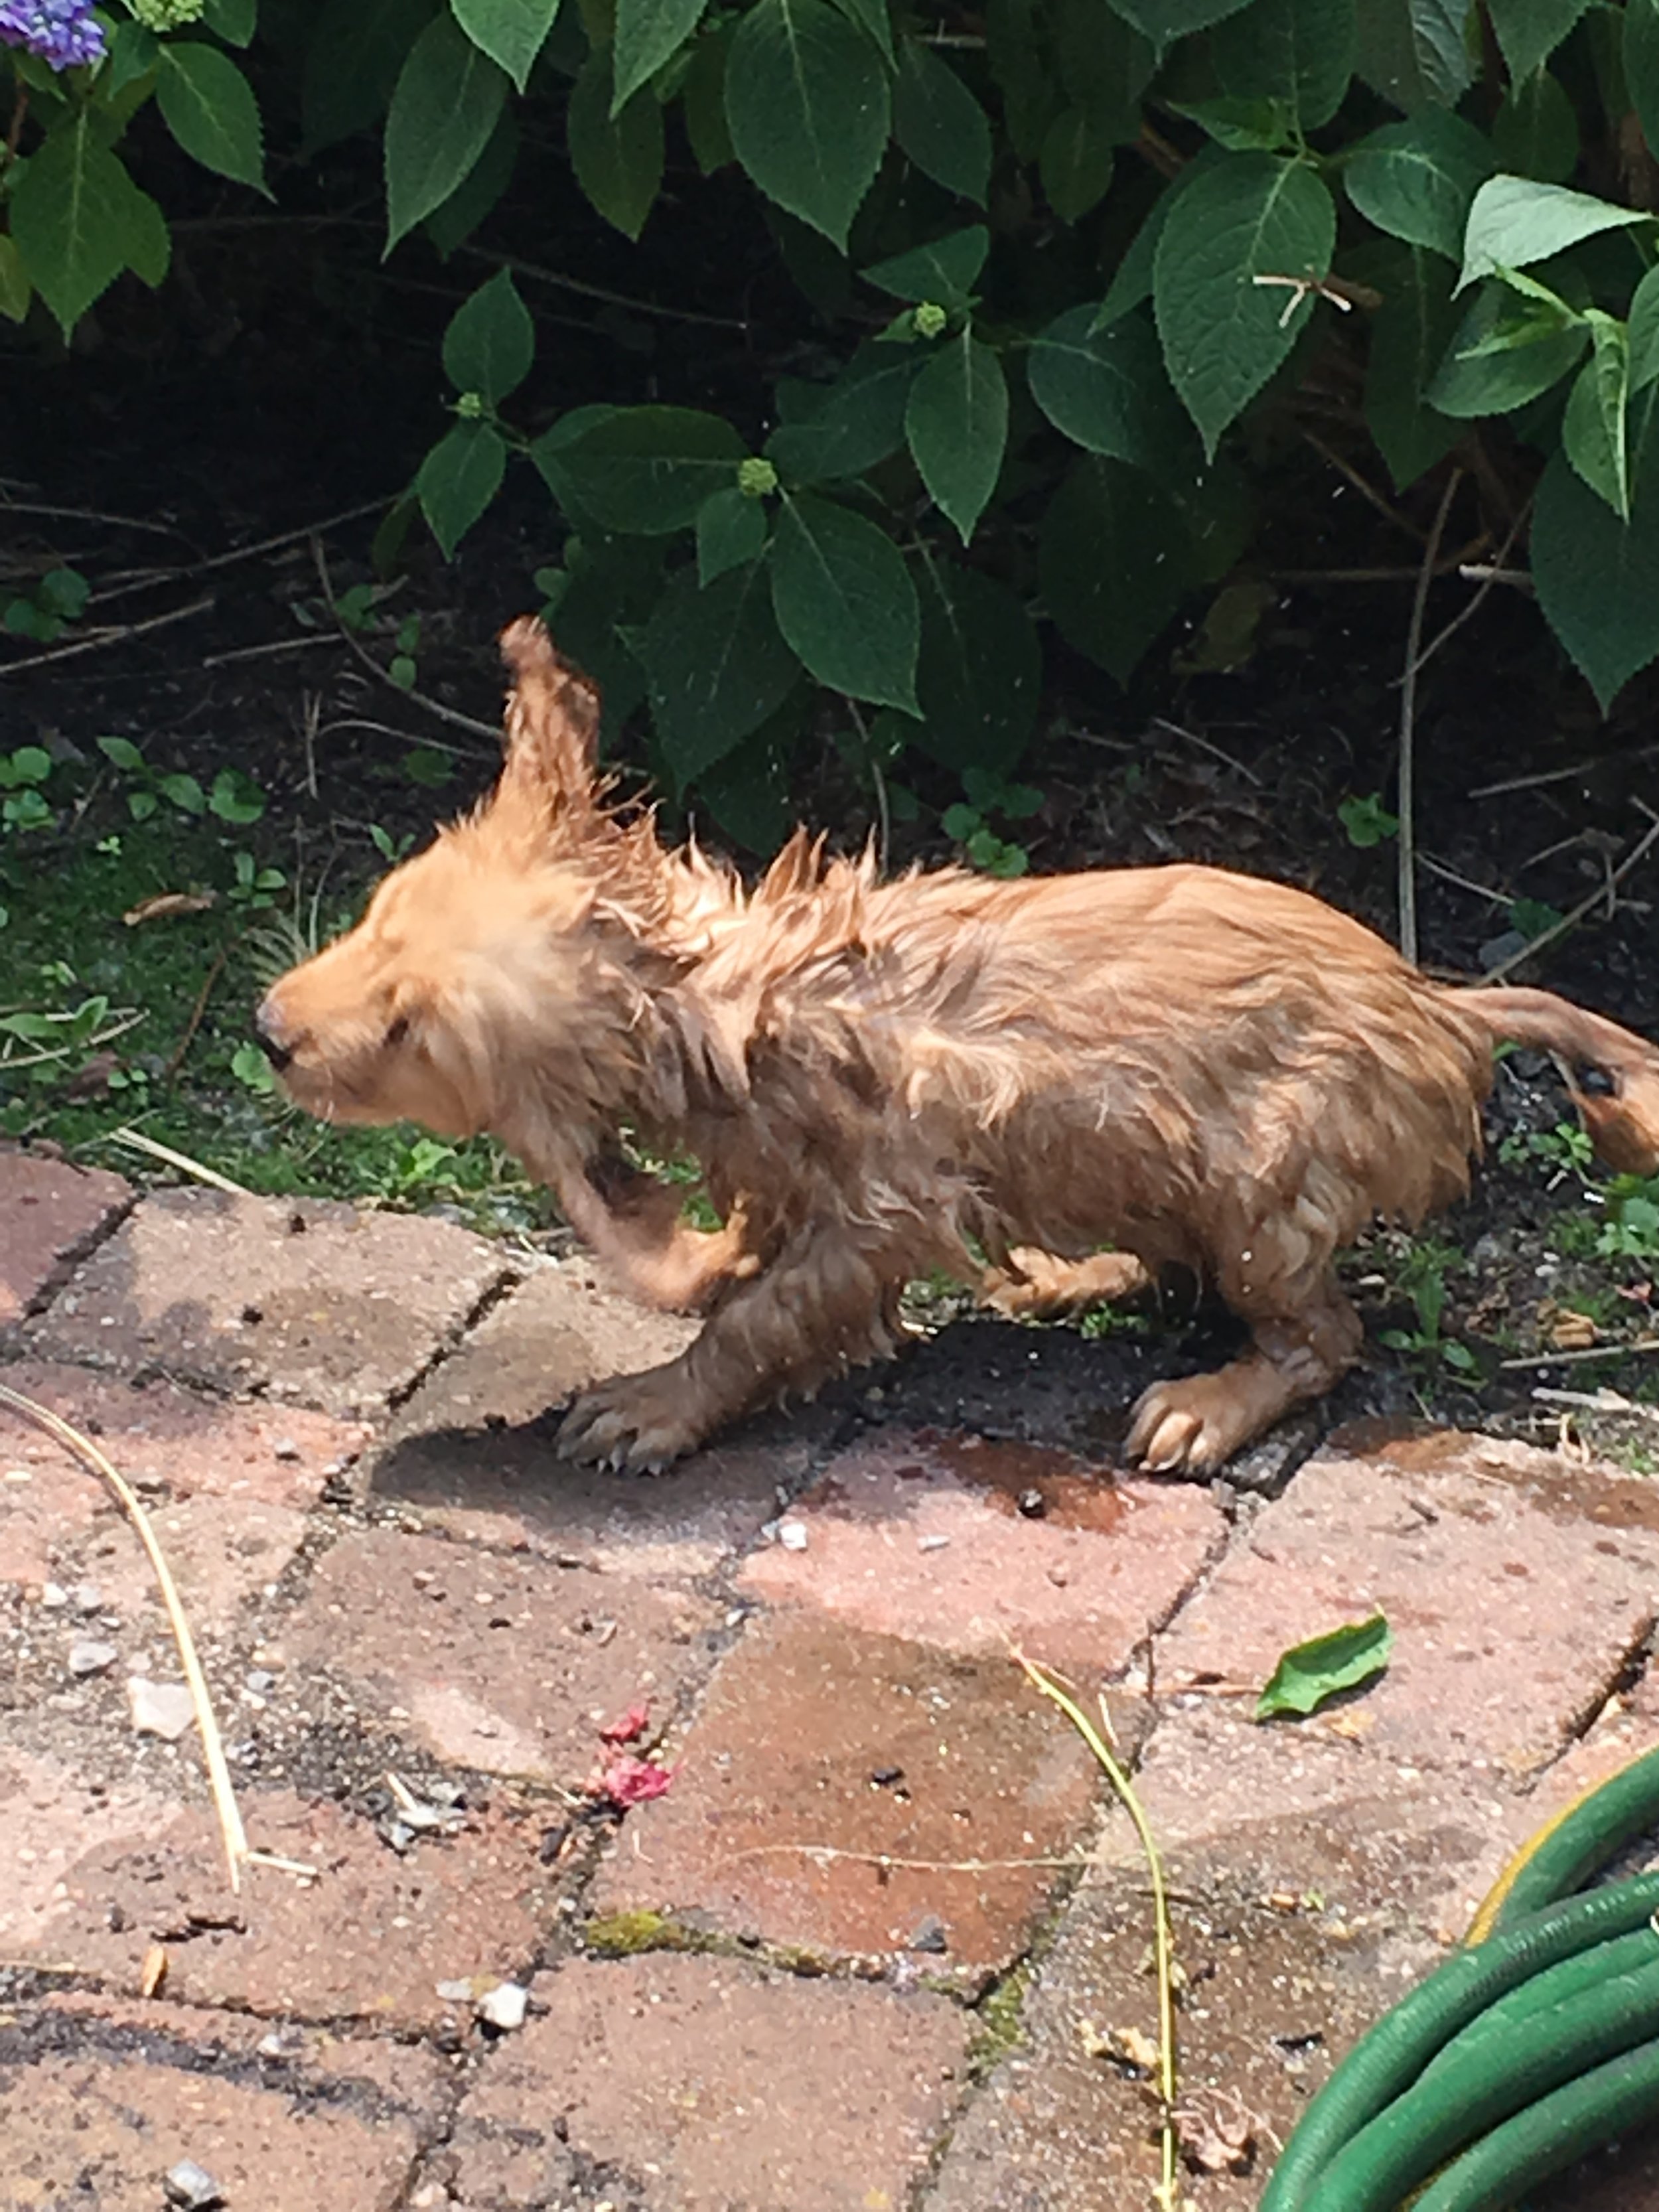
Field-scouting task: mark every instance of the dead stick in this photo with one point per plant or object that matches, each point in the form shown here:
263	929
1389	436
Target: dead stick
1406	800
432	706
108	637
1587	905
196	1013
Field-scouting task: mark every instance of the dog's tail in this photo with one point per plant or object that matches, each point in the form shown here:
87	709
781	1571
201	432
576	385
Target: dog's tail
1613	1074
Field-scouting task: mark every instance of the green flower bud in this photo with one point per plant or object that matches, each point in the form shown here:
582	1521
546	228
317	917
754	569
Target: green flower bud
930	319
756	476
165	14
470	407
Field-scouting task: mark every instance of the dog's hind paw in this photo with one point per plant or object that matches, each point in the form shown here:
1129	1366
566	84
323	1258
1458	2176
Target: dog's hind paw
1197	1423
637	1425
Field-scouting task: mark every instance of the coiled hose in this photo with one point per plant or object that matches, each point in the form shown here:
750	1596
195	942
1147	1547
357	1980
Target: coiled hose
1536	2042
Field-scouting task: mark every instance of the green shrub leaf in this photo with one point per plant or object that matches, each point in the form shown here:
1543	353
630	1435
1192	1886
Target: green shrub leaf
749	790
845	601
860	422
454	221
458	480
1597	578
1223	334
1342	1659
444	106
939	125
1645	333
490	342
1133	281
15	290
1416	180
1593	428
1298	51
1409	335
1164	20
715	666
1114	559
1505	353
807	103
873	18
944	271
617	156
209	105
234	20
1514	221
77	219
1107	389
730	532
353	56
647	32
646	471
1075	163
980	672
511	32
1530	31
956	423
1415	53
702	96
1104	65
1641	56
1534	132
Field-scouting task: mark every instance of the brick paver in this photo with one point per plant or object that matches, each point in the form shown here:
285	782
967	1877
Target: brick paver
97	2102
50	1213
1514	1609
698	2085
313	1302
859	1794
759	1990
974	1546
496	1660
370	1938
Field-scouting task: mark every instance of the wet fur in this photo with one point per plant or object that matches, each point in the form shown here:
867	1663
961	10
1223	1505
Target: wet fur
1183	1064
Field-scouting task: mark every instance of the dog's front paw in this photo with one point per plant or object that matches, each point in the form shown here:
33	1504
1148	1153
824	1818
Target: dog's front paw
636	1423
1194	1425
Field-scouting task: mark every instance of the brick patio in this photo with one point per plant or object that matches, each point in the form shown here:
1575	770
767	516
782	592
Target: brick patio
870	1948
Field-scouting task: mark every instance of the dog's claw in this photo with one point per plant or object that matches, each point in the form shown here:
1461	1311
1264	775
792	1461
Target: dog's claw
626	1426
1175	1432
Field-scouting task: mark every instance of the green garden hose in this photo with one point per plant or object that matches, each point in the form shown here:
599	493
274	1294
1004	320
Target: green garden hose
1576	2119
1471	2091
1388	2060
1576	1844
1537	2030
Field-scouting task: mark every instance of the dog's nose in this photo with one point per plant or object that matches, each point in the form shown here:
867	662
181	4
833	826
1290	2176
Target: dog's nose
270	1031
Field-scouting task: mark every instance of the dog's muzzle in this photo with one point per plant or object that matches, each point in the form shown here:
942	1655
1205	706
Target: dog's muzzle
270	1030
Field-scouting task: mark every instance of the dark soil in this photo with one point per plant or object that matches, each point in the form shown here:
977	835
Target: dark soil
276	388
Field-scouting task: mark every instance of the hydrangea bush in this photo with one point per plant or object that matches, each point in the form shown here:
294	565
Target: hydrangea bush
1075	272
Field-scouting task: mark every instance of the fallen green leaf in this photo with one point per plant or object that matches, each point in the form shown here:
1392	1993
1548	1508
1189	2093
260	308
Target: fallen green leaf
1309	1672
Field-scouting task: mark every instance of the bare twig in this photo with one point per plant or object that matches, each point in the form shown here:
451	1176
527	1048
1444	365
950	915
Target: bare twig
1591	1351
1588	905
1366	490
238	553
196	1012
432	706
1406	798
88	514
224	1794
137	1141
269	652
1489	576
1206	746
105	638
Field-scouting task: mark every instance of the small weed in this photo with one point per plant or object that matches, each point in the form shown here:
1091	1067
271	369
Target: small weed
1421	1277
1565	1148
1630	1227
968	822
1099	1323
60	597
1366	820
1533	918
251	886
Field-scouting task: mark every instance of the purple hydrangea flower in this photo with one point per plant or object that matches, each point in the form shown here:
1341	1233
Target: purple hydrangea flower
62	32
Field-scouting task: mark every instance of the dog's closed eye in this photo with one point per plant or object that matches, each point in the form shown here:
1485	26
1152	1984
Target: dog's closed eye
397	1030
1595	1082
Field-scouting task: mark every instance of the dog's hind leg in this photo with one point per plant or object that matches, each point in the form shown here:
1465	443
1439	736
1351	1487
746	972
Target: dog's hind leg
1035	1285
1200	1420
827	1304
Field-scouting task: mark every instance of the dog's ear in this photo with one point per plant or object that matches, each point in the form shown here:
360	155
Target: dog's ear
552	728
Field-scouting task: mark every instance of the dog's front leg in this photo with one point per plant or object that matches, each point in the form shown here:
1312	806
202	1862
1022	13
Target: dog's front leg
824	1305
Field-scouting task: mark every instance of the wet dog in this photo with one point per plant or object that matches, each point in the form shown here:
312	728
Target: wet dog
880	1079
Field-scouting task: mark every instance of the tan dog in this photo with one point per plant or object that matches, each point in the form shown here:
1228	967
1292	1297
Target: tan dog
878	1077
